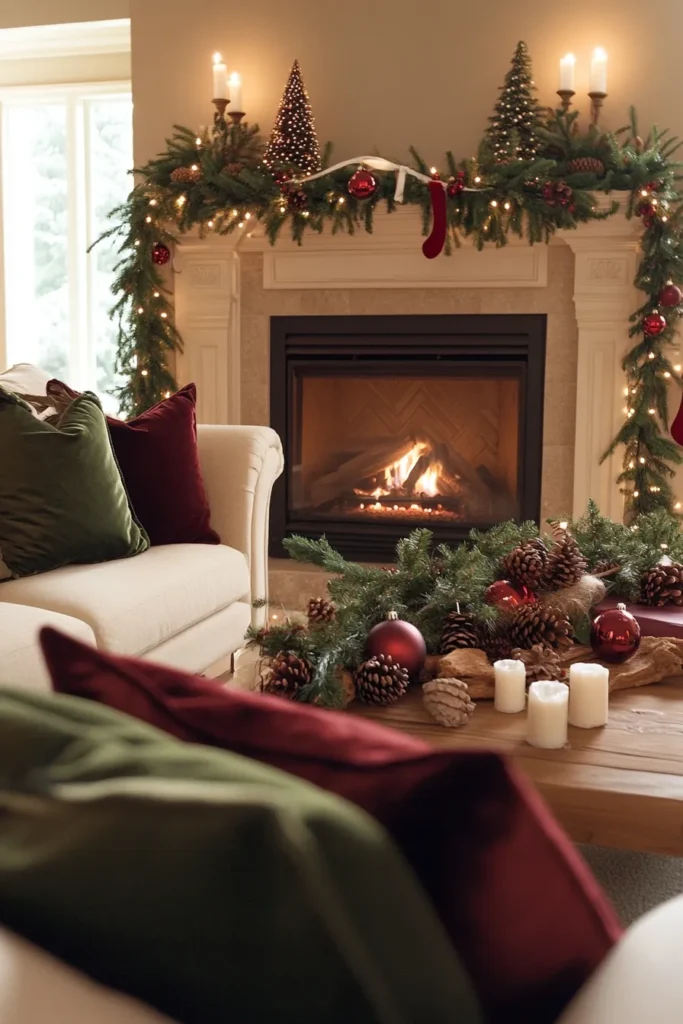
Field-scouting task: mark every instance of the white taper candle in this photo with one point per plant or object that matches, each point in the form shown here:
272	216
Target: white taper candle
598	74
235	85
567	72
220	78
547	714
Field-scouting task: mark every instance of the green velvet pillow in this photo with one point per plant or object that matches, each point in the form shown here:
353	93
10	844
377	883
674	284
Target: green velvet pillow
208	885
62	499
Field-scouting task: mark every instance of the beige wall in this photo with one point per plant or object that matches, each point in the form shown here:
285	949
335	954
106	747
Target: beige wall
16	13
396	72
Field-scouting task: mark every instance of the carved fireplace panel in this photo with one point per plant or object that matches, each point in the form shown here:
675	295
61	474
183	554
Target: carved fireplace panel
395	422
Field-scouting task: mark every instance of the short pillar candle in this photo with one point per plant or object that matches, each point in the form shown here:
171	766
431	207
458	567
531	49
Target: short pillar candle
547	715
510	690
588	696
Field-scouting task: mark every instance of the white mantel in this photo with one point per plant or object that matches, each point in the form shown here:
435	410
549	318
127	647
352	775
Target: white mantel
209	298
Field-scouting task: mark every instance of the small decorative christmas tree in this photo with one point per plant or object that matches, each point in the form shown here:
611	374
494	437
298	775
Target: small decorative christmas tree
512	134
293	141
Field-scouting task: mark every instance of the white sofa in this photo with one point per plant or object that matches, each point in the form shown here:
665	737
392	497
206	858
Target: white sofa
187	605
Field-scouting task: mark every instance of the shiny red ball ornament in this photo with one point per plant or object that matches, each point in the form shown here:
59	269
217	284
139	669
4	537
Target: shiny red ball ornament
403	641
362	185
506	595
615	635
161	254
456	185
653	324
670	296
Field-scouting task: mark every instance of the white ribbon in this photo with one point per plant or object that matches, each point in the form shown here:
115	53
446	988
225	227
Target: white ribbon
377	163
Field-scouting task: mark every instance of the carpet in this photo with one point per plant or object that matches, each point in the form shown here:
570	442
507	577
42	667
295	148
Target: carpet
635	882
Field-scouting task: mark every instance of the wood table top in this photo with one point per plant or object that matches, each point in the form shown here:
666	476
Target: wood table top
620	786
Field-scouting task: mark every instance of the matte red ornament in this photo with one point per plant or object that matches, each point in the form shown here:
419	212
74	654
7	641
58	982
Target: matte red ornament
161	253
403	641
670	296
653	324
615	635
433	246
362	185
507	595
456	185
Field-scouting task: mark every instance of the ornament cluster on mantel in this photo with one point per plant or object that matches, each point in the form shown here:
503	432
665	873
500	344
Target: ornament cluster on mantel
535	173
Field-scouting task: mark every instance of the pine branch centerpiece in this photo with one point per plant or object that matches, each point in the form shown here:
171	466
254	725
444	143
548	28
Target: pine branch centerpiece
442	595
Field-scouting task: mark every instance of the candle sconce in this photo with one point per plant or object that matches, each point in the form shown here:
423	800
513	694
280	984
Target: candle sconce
219	117
566	96
597	99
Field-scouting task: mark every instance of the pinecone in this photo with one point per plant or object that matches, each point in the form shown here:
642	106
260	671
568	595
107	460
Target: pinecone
541	662
663	585
319	610
566	564
186	175
497	647
605	568
539	624
448	701
381	680
286	675
526	564
586	165
458	631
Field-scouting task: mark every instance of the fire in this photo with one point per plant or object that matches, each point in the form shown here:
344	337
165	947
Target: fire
428	483
396	475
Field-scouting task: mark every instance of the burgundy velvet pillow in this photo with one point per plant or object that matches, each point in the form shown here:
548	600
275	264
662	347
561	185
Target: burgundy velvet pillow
521	907
159	462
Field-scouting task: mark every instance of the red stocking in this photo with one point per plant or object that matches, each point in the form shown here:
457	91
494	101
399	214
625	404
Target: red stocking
677	426
433	246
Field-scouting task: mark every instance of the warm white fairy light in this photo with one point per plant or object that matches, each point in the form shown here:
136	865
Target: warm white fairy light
209	223
137	241
181	200
677	505
234	213
141	310
164	316
167	394
494	203
148	220
198	141
631	465
666	373
283	209
156	295
626	392
677	367
144	373
636	494
644	192
641	460
506	206
477	180
305	213
247	216
652	411
152	202
241	224
341	201
194	167
650	355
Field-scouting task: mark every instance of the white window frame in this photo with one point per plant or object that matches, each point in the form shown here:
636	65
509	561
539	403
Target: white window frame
81	232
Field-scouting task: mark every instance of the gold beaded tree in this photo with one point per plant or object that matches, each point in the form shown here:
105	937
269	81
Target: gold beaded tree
293	142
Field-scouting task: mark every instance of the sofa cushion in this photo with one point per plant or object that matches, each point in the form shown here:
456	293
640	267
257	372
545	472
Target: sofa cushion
136	604
159	462
521	907
210	886
25	379
36	989
62	500
21	659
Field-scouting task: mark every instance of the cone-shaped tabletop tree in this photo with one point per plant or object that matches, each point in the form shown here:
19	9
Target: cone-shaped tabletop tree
293	142
512	131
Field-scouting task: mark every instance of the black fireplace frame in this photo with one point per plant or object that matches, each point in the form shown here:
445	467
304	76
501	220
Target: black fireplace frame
422	344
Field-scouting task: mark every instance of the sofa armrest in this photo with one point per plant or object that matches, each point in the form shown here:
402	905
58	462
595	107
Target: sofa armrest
240	466
641	981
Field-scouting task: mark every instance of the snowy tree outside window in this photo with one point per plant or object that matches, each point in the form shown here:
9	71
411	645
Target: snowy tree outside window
65	161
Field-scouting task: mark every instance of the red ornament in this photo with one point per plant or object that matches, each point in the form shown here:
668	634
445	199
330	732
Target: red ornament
362	185
653	324
506	595
615	635
647	212
671	295
556	193
403	641
160	253
456	185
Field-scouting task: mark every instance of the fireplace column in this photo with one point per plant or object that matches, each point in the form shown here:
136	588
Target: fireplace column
606	254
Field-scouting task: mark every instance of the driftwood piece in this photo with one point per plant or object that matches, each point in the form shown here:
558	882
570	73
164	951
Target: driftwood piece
473	667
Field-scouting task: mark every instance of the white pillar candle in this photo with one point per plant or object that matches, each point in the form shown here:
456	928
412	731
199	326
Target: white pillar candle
567	70
547	715
236	92
588	696
220	78
598	75
510	693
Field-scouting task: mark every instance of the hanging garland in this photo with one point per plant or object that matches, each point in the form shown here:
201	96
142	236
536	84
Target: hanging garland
218	182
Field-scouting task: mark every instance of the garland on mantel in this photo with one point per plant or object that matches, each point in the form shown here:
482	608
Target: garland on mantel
218	182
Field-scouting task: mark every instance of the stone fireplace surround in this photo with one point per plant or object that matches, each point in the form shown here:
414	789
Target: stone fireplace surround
227	288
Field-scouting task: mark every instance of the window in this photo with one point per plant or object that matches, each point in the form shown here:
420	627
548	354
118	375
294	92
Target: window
64	164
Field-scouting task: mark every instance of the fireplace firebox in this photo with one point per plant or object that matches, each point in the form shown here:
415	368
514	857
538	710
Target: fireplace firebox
393	422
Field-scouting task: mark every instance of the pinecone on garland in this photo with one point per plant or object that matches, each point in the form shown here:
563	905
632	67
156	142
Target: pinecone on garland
286	675
663	585
458	631
566	565
540	624
381	680
540	662
186	175
605	568
586	165
526	564
319	611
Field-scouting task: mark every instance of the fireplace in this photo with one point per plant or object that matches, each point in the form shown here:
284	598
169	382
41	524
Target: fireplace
395	422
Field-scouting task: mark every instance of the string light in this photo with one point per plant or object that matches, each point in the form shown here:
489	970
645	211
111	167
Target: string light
283	209
194	167
666	373
506	206
644	192
144	373
652	411
626	392
181	200
234	213
677	367
636	494
631	465
677	505
650	355
247	216
148	220
477	180
241	224
198	141
209	223
141	310
137	241
156	295
164	316
641	460
152	202
341	201
494	203
664	547
167	394
305	213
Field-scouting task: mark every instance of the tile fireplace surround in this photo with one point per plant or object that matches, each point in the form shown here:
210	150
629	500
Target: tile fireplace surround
227	288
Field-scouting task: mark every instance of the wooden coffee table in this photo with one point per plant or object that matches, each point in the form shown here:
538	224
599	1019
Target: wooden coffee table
618	786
